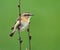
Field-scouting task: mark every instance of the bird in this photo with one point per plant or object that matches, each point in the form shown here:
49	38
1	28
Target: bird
22	22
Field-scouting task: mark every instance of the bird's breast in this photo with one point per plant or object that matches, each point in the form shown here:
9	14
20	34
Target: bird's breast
24	24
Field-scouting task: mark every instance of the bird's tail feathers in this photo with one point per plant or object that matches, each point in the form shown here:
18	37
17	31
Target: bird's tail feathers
11	34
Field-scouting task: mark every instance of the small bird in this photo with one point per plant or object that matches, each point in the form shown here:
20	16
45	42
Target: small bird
21	23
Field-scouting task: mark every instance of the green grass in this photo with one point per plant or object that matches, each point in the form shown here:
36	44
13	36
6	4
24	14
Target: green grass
45	24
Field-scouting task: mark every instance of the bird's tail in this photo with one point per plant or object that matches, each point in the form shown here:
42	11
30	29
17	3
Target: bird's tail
14	28
11	34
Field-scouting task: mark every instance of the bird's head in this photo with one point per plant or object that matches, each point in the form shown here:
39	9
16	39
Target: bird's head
26	15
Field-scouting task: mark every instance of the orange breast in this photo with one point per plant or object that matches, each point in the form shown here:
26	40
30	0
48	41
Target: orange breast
24	19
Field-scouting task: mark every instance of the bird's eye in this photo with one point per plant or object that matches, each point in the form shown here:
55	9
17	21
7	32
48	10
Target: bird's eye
26	15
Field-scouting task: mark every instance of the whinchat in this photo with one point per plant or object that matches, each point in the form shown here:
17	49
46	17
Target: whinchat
22	21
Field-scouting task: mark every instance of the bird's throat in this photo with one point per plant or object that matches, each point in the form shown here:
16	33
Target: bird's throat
24	19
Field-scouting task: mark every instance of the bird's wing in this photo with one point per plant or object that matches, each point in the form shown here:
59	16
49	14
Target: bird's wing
15	22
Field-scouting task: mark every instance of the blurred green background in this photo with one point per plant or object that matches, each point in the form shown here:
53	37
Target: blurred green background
45	24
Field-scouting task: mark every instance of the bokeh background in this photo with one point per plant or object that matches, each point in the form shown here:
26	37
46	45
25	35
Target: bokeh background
45	24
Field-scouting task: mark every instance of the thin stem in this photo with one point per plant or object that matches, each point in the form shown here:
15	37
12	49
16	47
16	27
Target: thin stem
20	40
19	6
29	36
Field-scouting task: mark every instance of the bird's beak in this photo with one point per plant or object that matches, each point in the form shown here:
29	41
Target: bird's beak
32	15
